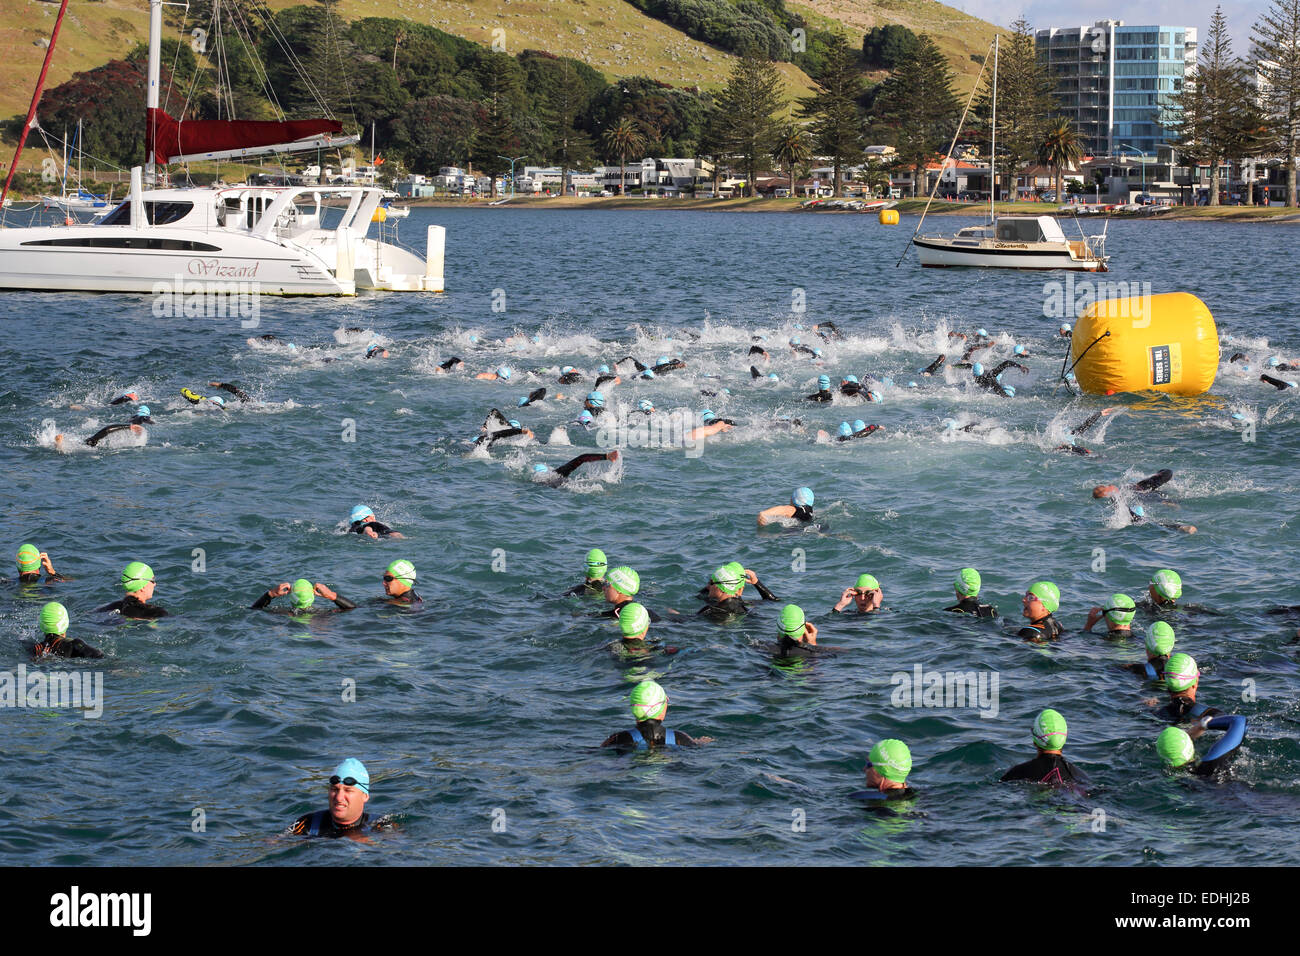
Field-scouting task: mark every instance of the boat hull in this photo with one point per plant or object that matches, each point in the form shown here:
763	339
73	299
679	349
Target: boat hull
941	254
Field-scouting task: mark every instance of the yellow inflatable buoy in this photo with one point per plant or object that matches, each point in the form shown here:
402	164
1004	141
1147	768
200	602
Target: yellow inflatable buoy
1162	343
889	217
381	215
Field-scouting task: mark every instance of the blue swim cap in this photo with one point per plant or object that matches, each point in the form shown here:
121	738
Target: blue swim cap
218	401
911	385
566	370
143	411
473	340
1139	511
983	332
645	405
998	378
648	373
663	360
846	429
538	469
799	326
523	400
1009	391
1069	375
603	370
949	424
360	513
977	369
1237	416
726	391
504	372
851	378
1019	350
596	399
1273	360
707	415
794	340
823	382
537	338
514	423
373	347
771	377
586	418
859	424
817	353
802	498
1065	327
354	768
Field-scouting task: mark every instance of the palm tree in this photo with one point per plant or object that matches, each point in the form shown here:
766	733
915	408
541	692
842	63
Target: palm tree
793	146
1060	149
624	139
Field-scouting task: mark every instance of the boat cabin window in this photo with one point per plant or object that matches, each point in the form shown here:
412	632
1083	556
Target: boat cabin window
1019	230
157	213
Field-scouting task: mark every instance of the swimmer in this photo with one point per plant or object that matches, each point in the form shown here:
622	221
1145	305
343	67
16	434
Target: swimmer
1040	603
1280	384
710	424
502	374
94	440
823	393
399	584
375	350
593	583
723	592
645	407
828	330
1159	645
304	596
362	521
1119	616
1181	680
990	379
554	477
859	429
594	403
194	398
849	385
1065	331
621	585
1165	589
888	765
536	395
1091	420
1144	487
738	575
797	638
1177	752
31	562
234	390
934	366
54	628
967	586
605	377
1138	515
800	508
124	398
759	350
798	346
866	594
569	376
665	364
138	583
1049	767
142	416
634	625
453	364
649	707
349	790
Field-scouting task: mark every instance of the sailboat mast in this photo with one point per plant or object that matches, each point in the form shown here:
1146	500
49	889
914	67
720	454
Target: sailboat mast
155	69
993	148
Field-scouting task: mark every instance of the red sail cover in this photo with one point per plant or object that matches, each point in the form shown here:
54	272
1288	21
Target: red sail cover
165	137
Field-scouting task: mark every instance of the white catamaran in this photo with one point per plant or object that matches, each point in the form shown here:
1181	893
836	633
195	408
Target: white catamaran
279	240
1009	242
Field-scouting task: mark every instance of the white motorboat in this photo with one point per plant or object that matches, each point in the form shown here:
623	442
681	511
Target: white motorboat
1014	242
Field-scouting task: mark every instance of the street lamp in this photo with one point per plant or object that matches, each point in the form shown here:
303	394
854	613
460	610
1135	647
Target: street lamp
512	171
1143	154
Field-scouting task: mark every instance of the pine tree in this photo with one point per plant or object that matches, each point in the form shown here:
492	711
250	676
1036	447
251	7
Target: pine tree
833	109
917	102
1277	47
747	113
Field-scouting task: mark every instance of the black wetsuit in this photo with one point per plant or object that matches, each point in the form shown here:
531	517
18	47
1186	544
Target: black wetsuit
1051	769
870	429
497	436
602	379
1147	485
141	420
934	366
805	349
1044	629
1156	665
407	598
536	395
234	390
1088	422
570	378
787	649
802	513
758	350
727	607
754	372
378	527
557	476
132	607
321	823
834	332
122	400
852	388
822	395
447	365
1277	383
669	366
343	605
1181	710
103	433
653	733
613	610
759	586
585	589
65	647
989	379
972	605
1238	357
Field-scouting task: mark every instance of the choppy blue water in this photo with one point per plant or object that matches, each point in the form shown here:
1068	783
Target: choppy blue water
488	705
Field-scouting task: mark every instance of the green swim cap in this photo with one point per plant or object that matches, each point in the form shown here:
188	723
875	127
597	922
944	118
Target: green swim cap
649	702
867	583
1168	584
54	618
403	571
596	563
728	580
1160	639
1048	593
633	619
792	621
1175	747
624	580
29	559
304	595
1049	730
1181	673
136	575
1121	610
891	759
968	582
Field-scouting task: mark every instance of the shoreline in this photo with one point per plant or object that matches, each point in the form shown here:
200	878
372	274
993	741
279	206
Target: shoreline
905	207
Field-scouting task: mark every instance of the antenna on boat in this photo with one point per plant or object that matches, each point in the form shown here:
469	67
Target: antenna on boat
969	100
993	144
